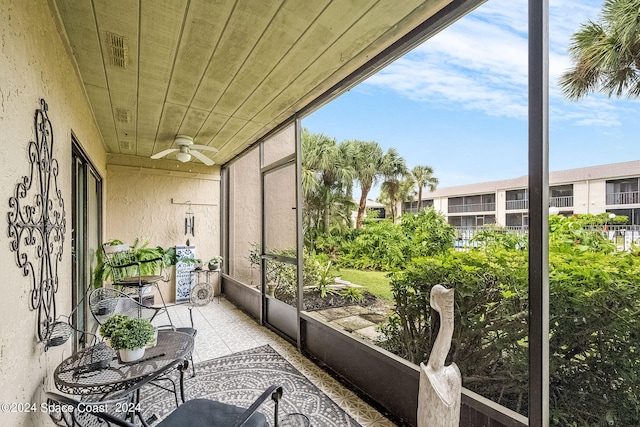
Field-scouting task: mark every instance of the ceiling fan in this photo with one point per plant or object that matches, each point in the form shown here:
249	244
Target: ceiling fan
186	149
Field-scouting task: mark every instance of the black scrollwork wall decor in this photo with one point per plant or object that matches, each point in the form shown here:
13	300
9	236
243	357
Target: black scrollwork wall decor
37	227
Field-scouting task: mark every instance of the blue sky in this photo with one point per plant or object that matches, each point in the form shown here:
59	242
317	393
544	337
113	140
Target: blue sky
459	101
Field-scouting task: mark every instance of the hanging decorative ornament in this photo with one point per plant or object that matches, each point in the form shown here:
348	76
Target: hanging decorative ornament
189	221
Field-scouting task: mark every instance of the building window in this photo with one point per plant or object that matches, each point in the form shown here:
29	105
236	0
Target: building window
517	199
475	203
623	191
561	196
517	220
471	221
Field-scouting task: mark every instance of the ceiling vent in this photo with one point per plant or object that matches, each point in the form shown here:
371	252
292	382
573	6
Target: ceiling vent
118	50
123	115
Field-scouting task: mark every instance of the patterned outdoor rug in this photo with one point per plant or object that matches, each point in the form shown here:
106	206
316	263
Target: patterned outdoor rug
241	377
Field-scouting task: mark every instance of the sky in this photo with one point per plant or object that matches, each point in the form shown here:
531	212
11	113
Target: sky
458	102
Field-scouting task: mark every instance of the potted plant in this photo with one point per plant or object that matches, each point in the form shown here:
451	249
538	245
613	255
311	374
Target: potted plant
142	252
131	337
108	327
215	262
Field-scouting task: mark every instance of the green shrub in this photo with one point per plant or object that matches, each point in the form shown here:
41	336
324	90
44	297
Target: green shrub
594	325
282	275
353	294
594	335
379	245
490	318
382	245
112	323
132	333
428	232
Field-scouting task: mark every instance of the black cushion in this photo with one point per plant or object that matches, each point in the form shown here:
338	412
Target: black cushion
209	413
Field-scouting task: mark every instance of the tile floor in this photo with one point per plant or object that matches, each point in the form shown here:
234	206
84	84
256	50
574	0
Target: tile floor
223	329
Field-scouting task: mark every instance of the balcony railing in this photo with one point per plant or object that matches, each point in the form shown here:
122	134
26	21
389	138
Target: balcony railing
624	236
474	207
561	202
558	202
627	198
517	204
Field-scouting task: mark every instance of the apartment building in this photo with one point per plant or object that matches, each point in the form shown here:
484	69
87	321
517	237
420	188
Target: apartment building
613	188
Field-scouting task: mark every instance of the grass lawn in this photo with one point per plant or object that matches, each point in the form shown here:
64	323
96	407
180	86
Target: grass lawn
375	282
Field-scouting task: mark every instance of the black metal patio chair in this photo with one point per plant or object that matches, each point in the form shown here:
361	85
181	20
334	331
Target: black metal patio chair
71	412
105	302
128	272
193	413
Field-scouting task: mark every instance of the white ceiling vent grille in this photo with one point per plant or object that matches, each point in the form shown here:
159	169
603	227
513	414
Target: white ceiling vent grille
118	50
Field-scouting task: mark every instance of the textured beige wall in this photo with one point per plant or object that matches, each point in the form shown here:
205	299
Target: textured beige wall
34	64
150	205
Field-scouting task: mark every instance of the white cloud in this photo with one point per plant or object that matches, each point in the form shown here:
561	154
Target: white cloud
480	63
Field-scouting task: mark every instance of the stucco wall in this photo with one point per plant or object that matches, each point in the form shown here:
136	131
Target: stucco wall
245	204
245	215
151	204
582	202
34	64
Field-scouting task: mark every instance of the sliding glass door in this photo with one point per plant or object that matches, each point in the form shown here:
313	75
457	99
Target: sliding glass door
86	221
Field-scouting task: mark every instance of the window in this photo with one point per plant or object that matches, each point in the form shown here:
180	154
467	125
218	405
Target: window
517	199
474	203
561	196
623	191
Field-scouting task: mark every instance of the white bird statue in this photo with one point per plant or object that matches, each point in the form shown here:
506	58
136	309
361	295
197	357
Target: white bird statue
440	386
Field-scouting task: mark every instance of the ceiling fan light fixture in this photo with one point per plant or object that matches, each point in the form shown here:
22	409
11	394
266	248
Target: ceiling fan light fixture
186	149
183	140
183	157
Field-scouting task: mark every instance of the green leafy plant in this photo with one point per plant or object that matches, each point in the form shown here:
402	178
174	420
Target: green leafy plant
492	235
324	280
114	322
141	252
254	255
382	245
594	323
132	333
215	260
353	294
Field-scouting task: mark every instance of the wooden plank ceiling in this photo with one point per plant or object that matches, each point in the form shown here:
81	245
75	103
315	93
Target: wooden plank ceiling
224	72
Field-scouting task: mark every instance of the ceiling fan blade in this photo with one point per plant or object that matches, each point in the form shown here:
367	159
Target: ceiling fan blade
164	153
203	148
204	159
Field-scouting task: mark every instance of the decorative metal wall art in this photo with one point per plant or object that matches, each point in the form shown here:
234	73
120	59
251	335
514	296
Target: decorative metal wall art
37	227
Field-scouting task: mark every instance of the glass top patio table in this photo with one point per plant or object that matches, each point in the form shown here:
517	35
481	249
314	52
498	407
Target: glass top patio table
98	369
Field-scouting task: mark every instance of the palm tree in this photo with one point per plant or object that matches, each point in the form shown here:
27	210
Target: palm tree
366	159
327	180
393	169
606	55
394	191
370	164
423	177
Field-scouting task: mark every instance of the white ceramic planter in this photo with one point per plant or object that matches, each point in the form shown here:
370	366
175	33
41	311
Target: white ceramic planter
131	355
